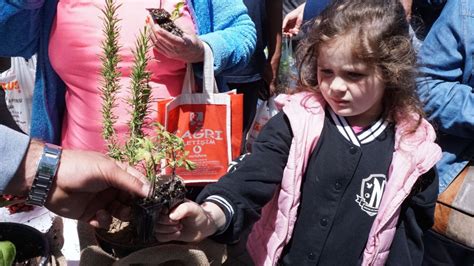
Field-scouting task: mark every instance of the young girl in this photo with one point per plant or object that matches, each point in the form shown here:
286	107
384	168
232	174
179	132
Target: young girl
341	176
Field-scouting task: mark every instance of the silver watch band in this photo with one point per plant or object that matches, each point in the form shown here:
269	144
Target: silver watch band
47	168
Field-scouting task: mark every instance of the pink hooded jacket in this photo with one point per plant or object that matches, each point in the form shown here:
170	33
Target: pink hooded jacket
414	155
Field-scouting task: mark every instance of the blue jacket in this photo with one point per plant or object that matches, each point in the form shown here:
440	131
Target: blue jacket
254	70
447	85
25	26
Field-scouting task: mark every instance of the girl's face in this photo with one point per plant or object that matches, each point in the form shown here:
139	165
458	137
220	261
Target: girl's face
352	88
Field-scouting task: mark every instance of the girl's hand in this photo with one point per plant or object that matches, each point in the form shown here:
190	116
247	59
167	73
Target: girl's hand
188	48
189	222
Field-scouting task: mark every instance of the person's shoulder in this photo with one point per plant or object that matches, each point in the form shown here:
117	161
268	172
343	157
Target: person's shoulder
301	104
300	97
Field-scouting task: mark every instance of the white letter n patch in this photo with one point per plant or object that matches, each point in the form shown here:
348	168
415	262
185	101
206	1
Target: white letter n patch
371	191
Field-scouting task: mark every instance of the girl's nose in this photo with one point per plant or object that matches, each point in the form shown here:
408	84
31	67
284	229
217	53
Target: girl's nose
338	86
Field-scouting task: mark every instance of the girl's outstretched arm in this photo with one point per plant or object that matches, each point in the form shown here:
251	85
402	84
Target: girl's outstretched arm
234	203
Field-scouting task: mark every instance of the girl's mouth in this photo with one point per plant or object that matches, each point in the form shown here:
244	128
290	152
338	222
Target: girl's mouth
340	102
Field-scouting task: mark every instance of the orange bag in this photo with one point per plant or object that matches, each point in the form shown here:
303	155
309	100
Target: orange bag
210	124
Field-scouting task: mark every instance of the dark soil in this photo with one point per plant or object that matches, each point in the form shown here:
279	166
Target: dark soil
170	191
163	19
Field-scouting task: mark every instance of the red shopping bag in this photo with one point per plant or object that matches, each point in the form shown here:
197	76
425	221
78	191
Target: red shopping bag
210	124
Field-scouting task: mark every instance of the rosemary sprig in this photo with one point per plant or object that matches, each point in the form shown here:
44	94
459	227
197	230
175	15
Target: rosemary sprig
111	74
140	93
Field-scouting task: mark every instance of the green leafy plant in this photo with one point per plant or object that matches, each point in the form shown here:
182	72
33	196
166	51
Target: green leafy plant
7	253
153	153
176	13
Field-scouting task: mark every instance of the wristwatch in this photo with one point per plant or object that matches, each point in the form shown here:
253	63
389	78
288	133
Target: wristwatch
47	169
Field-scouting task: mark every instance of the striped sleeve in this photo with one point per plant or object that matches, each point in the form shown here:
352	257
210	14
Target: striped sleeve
226	208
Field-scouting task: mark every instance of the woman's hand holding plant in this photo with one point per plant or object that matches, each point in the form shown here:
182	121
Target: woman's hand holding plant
188	48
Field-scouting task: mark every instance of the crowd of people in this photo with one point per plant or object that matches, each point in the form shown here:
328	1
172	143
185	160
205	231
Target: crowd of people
370	161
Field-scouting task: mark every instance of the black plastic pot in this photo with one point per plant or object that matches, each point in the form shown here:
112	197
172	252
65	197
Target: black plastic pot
29	242
148	211
169	193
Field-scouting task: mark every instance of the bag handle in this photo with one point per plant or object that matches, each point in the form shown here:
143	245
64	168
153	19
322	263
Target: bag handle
188	83
209	85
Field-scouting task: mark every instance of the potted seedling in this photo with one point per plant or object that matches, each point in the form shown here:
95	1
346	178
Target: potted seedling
166	20
157	154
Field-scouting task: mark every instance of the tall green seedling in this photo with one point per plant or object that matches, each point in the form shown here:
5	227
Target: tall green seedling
153	153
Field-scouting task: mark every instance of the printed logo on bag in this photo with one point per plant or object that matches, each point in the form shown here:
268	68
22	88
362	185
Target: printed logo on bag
257	127
201	137
371	191
9	86
197	136
196	120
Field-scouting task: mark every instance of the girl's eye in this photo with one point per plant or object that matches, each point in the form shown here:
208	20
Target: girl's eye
325	72
355	75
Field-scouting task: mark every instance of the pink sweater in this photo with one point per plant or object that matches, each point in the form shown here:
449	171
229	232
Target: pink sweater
75	49
414	155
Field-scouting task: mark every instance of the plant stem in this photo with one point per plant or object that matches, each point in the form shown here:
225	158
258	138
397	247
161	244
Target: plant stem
154	179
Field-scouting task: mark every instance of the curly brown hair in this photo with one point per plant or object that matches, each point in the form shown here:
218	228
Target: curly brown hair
379	35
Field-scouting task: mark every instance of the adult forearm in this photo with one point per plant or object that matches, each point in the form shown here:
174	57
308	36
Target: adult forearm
449	105
446	66
274	24
21	182
233	38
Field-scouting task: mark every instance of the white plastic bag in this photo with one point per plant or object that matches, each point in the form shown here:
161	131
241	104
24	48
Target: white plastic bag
287	71
18	83
265	111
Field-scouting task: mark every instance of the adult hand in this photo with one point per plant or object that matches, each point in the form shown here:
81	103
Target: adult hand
188	48
407	5
292	21
88	186
189	222
91	187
